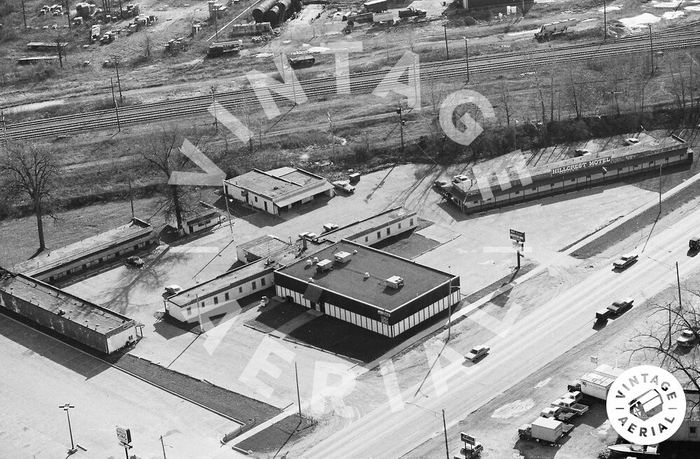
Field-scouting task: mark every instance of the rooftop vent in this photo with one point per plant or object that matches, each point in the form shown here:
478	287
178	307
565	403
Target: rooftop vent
394	282
315	259
342	256
311	280
309	262
355	251
324	265
366	275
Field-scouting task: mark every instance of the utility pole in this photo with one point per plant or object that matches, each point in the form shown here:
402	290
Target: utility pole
228	212
119	82
444	427
24	15
605	20
65	408
678	280
401	122
296	376
68	13
162	445
116	107
651	50
4	126
59	50
660	166
213	101
199	312
131	199
466	56
449	311
447	49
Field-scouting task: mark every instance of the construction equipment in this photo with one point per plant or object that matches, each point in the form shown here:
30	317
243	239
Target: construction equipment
412	12
225	48
554	29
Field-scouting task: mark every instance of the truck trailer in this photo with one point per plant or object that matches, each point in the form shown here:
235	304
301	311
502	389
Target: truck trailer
554	29
544	429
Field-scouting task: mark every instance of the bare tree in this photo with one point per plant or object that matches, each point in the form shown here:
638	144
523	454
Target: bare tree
147	46
163	153
574	95
505	100
657	344
30	171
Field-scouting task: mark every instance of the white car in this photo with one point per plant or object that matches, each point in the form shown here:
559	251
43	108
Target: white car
460	178
329	227
631	140
687	338
477	353
344	185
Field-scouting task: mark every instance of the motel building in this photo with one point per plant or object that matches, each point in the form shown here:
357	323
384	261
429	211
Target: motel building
277	190
367	287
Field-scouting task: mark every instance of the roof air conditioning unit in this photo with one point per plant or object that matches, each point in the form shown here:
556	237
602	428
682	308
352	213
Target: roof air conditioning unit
355	251
394	282
309	262
315	259
366	275
342	256
324	265
311	280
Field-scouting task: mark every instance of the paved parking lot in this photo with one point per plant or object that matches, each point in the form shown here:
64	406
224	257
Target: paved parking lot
477	247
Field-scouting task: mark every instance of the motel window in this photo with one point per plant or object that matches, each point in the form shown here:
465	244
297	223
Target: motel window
253	285
366	238
534	189
379	234
573	180
388	231
203	304
240	289
651	163
226	296
262	281
551	185
693	430
189	310
517	192
619	170
476	202
411	222
216	300
588	177
256	199
399	225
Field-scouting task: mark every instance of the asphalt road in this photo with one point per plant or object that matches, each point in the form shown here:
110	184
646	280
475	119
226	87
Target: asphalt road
533	341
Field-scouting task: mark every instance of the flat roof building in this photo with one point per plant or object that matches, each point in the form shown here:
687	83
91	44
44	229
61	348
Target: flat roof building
277	190
376	228
261	247
367	287
499	187
88	253
87	323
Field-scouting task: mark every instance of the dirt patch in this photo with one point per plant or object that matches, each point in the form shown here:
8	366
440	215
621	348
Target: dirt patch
276	437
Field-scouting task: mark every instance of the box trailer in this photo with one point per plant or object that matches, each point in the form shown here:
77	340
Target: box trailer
544	429
598	382
375	6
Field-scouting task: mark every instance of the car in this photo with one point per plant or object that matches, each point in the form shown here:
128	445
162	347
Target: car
581	152
620	306
625	261
344	185
477	353
308	235
172	290
687	338
460	178
440	183
631	140
329	227
134	261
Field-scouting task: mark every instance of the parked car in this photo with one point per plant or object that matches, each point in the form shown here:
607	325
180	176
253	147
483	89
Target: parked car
620	306
581	152
460	178
440	183
687	338
329	227
308	235
477	353
625	261
134	261
344	185
631	140
694	244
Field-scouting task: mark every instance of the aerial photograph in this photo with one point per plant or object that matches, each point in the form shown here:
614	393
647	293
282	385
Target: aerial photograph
344	229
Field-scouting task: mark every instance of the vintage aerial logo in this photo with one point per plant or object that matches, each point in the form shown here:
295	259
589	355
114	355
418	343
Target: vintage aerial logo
646	405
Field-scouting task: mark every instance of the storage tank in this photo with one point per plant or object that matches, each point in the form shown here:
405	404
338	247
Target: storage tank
273	15
260	10
285	10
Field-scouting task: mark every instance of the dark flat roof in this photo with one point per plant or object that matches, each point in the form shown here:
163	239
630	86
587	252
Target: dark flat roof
53	299
86	247
349	279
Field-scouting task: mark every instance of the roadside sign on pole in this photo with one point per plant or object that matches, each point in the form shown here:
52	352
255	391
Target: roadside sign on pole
123	435
468	439
517	235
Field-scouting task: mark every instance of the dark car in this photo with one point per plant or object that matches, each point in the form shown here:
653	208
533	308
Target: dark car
134	262
625	261
619	307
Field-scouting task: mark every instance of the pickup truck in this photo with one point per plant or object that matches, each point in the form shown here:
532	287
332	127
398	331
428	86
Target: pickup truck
557	413
570	406
602	315
620	306
344	185
625	261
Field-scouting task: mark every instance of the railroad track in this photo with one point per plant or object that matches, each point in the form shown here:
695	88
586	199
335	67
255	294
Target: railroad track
360	83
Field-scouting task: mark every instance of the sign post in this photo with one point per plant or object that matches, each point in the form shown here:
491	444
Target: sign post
124	437
519	238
